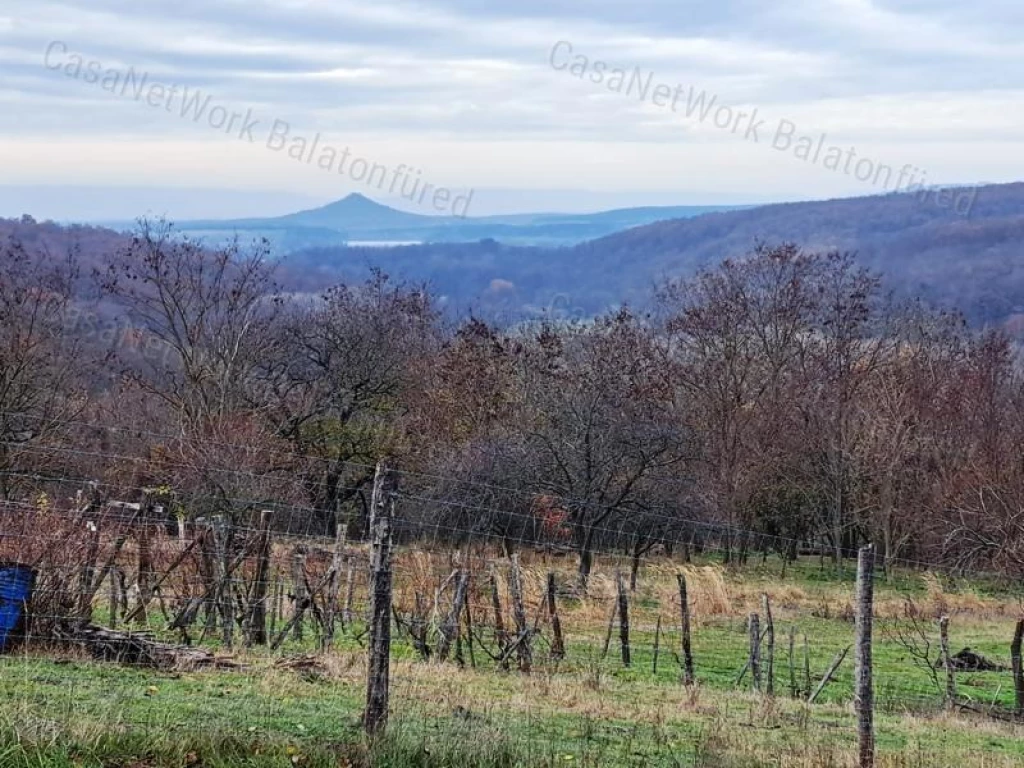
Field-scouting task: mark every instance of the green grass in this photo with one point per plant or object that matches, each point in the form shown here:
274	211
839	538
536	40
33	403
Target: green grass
583	711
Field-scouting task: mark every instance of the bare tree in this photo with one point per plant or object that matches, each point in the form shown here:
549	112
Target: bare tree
42	381
599	415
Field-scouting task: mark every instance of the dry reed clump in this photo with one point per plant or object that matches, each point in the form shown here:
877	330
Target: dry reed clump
708	592
938	601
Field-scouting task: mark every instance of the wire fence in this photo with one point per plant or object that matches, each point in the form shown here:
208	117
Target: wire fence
236	606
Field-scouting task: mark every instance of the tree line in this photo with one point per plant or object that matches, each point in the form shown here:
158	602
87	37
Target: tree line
780	401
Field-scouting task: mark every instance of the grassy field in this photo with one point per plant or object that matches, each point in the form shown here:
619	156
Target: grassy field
59	709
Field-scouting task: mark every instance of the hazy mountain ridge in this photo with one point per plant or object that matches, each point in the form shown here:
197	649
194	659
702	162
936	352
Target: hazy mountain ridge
358	218
975	263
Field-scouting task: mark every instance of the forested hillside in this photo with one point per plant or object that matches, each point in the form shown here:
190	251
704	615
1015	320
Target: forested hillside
924	249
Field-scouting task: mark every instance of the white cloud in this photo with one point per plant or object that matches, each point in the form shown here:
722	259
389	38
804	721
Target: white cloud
464	87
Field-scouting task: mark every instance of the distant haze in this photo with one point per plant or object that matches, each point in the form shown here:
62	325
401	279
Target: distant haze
104	204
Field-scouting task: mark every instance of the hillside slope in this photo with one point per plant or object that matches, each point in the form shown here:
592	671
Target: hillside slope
975	263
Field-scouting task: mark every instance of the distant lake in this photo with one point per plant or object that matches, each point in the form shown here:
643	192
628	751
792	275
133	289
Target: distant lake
381	243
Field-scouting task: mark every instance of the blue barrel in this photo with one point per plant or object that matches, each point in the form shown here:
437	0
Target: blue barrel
15	590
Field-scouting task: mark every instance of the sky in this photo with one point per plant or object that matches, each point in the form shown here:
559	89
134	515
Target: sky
515	104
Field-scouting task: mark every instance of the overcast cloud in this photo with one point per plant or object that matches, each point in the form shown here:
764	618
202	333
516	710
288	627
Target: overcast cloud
464	90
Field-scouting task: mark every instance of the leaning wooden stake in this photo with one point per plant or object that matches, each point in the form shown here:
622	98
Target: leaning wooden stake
827	678
557	642
1018	666
382	504
522	641
769	636
623	619
608	632
864	697
947	661
754	658
684	609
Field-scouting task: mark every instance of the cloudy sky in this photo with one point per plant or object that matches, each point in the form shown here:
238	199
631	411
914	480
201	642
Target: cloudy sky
483	95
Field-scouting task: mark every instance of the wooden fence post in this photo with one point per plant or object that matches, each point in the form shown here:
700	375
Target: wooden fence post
500	635
684	609
256	623
114	598
298	588
382	503
807	669
947	661
450	627
623	619
769	646
87	573
557	642
608	631
523	638
754	626
792	663
864	697
223	532
350	590
334	583
657	641
1018	666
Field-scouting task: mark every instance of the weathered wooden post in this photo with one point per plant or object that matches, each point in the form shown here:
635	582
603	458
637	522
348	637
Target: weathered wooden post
1018	666
87	573
469	627
769	637
298	588
451	625
277	609
623	600
807	668
500	635
334	582
256	623
112	576
657	641
792	663
144	571
864	694
223	533
754	661
608	631
947	661
557	642
684	608
382	504
350	591
523	636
